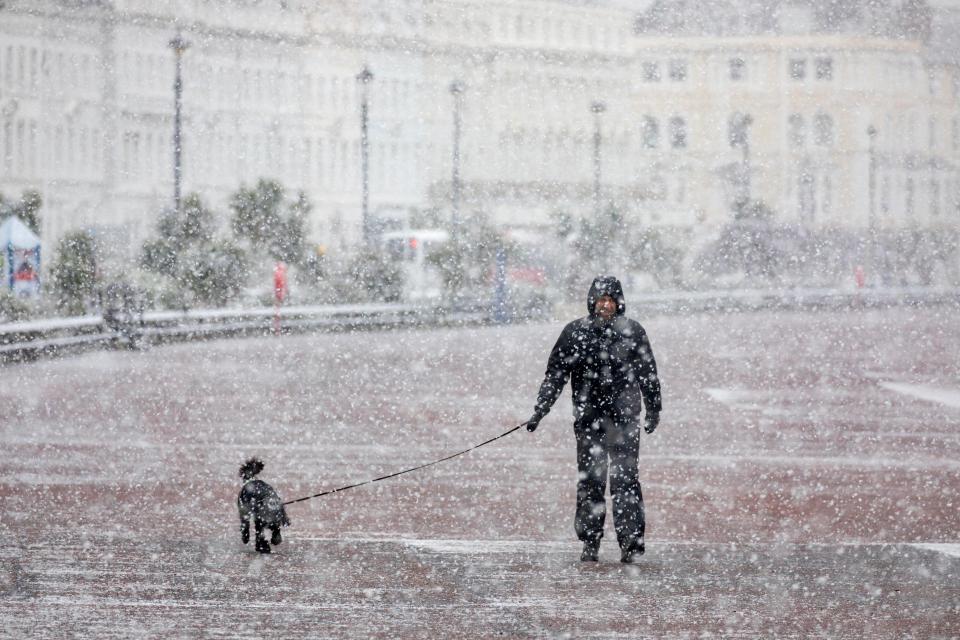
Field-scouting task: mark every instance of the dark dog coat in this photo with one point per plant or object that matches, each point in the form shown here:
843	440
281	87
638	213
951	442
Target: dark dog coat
259	504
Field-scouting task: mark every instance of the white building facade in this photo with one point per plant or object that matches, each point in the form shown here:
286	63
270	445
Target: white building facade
843	131
690	124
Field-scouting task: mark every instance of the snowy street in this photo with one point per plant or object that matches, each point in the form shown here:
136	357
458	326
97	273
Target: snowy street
804	482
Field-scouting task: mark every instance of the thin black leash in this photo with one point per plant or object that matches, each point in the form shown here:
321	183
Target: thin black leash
400	473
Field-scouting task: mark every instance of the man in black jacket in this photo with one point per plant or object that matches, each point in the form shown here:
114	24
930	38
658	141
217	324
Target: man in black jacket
611	366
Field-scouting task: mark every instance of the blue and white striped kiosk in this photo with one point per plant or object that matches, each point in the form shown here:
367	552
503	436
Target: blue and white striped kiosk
19	258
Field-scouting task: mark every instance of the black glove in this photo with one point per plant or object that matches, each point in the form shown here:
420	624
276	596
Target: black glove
651	422
533	422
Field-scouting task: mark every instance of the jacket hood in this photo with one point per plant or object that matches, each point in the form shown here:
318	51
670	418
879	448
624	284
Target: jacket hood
605	285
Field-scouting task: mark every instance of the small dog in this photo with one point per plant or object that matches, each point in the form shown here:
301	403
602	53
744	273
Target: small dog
259	502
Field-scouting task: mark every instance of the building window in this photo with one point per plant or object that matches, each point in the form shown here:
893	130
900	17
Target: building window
34	69
18	159
651	71
826	196
738	69
650	134
737	129
931	81
8	67
31	148
824	68
806	195
678	70
8	147
150	157
823	130
678	133
798	68
909	197
21	61
885	197
795	131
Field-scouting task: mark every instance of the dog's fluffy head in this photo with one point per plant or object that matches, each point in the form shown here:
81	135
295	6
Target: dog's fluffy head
251	468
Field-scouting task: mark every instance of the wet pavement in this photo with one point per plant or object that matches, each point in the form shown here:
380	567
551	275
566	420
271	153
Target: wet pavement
804	482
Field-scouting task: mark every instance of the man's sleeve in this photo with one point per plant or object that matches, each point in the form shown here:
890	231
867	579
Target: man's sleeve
558	370
647	375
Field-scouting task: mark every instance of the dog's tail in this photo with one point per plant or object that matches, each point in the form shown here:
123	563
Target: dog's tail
251	468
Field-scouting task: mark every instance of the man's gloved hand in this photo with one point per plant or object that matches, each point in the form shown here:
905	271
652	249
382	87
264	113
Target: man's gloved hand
533	422
651	422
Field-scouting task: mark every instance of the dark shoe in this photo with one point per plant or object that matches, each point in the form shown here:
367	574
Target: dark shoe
591	551
263	546
633	553
276	539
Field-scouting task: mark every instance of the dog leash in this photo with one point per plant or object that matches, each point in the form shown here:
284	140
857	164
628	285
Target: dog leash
400	473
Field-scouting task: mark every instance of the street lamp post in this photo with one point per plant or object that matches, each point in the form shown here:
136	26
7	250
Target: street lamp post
456	90
872	199
364	78
597	108
747	121
179	45
740	137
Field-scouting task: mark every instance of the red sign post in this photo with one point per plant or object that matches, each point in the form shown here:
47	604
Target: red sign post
279	293
859	277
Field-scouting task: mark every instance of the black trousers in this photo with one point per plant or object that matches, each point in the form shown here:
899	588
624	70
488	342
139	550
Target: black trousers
599	437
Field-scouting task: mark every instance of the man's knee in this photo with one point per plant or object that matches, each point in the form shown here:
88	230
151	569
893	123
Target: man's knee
623	475
627	488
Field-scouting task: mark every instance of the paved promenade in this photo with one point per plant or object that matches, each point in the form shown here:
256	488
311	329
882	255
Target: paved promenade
804	482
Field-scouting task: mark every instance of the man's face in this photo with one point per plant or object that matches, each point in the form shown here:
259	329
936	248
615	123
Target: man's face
605	307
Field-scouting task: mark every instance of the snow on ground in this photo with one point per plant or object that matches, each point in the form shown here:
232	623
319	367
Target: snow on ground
948	549
948	397
789	492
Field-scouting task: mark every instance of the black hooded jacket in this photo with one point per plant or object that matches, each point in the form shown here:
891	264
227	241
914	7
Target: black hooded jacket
610	364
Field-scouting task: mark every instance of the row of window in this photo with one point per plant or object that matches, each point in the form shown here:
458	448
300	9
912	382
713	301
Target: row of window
940	196
70	152
677	137
677	69
73	148
650	132
213	85
892	72
552	31
819	68
903	132
332	164
24	67
814	195
549	28
737	131
821	130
